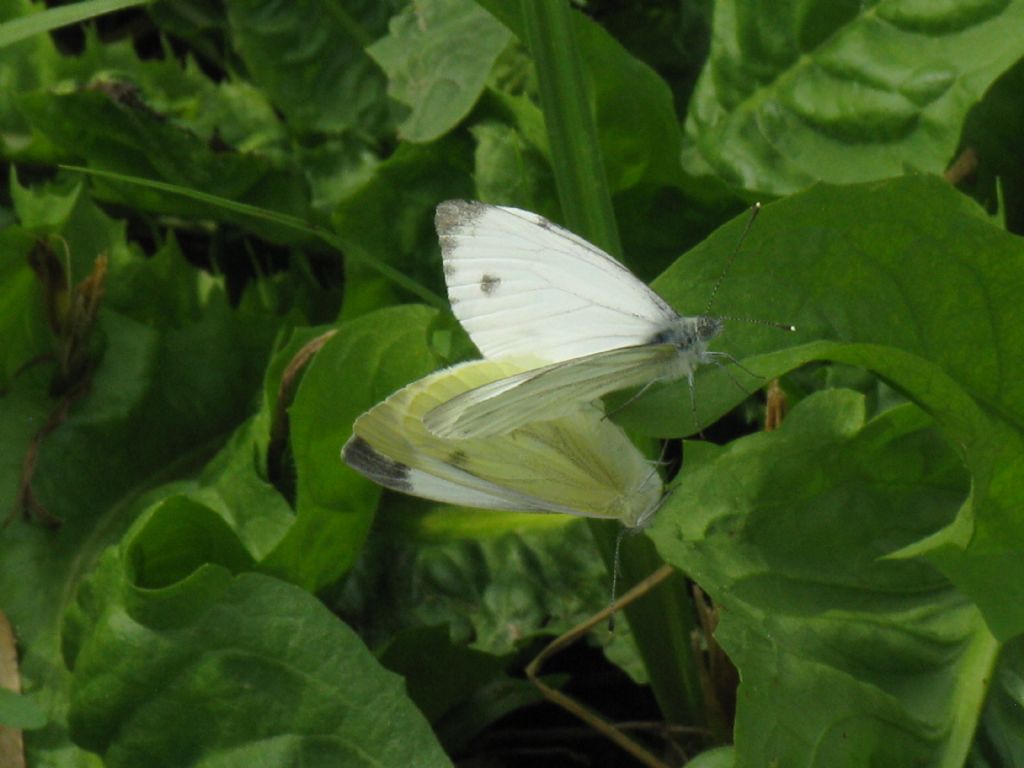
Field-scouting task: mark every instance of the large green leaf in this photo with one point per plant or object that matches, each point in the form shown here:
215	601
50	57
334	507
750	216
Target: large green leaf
802	91
909	280
846	658
438	81
366	361
182	659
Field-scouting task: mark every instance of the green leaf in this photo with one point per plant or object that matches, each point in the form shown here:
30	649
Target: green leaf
907	279
846	658
366	361
248	666
23	325
637	125
1000	737
17	711
308	58
495	579
229	115
842	92
30	64
165	283
389	220
438	78
233	485
197	22
438	674
719	757
511	165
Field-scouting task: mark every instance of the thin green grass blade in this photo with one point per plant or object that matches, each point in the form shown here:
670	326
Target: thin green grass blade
662	623
283	219
24	27
568	115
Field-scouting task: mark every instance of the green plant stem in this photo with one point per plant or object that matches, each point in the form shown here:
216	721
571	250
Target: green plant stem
568	116
663	622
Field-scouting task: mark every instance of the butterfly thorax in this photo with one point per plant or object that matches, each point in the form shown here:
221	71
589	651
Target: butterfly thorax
690	336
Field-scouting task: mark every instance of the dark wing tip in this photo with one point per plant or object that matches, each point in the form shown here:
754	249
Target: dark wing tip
363	458
455	214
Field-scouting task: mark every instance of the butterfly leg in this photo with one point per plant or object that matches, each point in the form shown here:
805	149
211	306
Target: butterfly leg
737	363
616	558
643	389
732	378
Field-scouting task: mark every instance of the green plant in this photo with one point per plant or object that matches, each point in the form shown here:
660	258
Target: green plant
217	251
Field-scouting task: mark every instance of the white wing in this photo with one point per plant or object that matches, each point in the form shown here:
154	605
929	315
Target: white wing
552	391
521	285
580	464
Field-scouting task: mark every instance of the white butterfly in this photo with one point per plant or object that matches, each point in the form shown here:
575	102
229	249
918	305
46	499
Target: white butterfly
580	464
521	285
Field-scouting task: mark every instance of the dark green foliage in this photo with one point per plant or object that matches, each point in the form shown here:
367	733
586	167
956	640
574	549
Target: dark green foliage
243	260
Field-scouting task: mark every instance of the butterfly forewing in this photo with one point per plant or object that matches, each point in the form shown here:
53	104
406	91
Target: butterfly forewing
521	285
547	392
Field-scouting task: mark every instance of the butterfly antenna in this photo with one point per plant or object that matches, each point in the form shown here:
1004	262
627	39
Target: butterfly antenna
754	210
631	399
757	321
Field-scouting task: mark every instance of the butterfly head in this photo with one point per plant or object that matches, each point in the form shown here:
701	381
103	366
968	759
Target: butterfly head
708	327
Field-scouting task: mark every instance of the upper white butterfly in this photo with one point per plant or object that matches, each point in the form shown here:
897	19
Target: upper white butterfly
523	286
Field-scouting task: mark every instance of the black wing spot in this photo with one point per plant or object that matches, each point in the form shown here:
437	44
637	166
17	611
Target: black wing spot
458	458
361	456
489	284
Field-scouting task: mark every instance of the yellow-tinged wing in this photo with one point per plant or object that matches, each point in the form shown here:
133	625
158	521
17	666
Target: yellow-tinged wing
550	391
578	464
